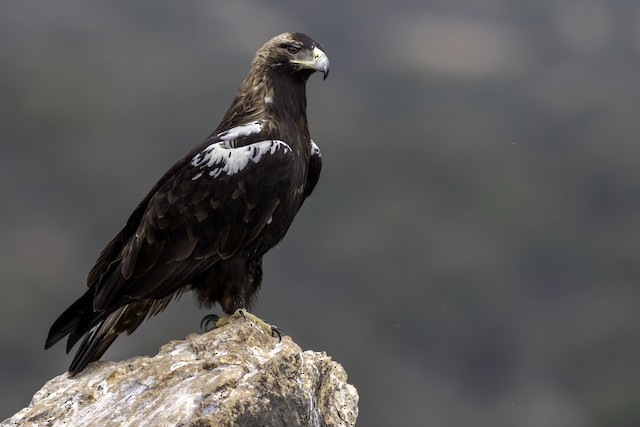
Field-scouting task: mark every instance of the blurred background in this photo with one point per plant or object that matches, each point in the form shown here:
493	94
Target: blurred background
471	252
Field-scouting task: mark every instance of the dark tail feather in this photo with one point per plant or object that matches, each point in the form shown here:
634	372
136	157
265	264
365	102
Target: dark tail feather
97	340
90	353
105	327
80	319
68	321
100	329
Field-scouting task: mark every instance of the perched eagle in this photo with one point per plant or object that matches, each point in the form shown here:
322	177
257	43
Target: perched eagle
207	223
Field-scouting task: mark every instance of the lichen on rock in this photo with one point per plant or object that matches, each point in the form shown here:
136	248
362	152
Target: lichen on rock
234	375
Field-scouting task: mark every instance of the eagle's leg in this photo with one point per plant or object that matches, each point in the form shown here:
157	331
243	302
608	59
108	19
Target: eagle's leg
219	322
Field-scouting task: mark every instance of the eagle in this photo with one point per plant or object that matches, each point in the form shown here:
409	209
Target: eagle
207	223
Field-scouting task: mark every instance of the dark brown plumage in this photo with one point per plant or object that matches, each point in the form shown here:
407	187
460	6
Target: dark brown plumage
209	220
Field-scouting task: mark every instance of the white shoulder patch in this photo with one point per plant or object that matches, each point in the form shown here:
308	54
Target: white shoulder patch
240	131
221	158
315	150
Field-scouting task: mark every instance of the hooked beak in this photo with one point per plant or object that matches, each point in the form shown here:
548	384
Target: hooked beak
317	61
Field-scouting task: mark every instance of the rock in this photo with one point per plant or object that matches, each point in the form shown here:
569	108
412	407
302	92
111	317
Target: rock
234	375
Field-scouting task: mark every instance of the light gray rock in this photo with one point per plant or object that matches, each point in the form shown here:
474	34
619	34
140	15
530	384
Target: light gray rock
236	375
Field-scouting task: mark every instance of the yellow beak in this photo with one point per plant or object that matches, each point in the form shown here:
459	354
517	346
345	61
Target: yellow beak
317	61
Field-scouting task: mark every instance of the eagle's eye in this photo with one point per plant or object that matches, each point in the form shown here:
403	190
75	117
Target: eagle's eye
293	49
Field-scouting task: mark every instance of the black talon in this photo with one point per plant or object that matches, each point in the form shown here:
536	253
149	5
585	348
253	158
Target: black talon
277	331
208	320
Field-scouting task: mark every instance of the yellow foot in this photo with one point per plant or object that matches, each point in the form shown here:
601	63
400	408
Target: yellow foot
219	322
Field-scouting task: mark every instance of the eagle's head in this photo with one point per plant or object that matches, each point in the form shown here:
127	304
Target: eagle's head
275	85
293	54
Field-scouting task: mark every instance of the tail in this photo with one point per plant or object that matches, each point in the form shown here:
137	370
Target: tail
80	319
97	340
99	328
70	322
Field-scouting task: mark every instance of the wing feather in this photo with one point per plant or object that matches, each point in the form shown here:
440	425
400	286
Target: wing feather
217	202
315	167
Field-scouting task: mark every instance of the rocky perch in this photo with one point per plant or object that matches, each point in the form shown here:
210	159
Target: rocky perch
236	375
